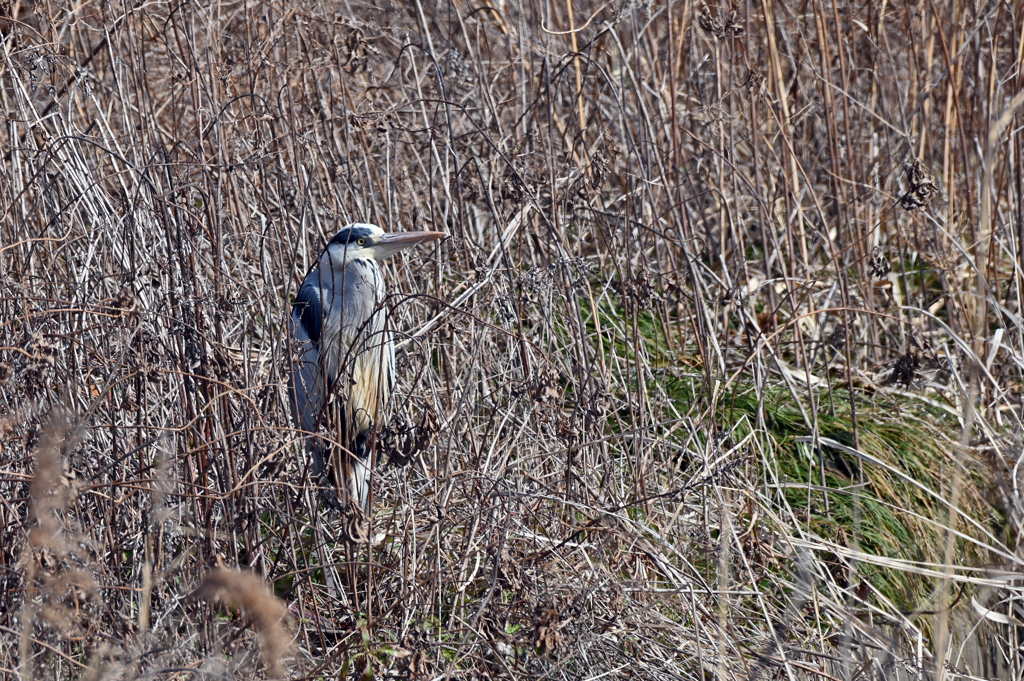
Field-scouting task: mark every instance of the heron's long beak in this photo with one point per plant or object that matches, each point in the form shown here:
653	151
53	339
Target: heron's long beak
389	244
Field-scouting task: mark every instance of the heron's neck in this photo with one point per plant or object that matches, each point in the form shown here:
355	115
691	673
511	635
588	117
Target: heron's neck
350	262
352	275
368	268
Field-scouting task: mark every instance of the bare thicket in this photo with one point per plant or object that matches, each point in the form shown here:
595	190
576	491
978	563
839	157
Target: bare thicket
717	376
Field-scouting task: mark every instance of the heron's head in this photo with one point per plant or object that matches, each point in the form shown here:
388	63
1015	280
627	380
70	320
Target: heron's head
370	242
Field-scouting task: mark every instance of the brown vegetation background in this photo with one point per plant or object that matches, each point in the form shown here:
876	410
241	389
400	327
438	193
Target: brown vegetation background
718	376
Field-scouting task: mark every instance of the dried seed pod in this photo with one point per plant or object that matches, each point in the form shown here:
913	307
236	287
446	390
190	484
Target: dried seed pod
710	23
922	187
714	26
878	265
547	639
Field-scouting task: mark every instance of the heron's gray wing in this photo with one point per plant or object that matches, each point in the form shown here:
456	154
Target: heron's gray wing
308	389
308	308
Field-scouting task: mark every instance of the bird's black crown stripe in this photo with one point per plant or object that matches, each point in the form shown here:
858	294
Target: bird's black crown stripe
351	235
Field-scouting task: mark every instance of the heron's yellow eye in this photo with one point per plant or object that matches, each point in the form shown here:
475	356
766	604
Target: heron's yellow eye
361	242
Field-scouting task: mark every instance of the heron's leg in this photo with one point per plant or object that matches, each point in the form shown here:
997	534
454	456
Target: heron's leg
359	471
319	458
323	474
360	482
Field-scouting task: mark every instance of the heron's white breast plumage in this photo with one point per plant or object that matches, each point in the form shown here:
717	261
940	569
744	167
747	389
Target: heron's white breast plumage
356	341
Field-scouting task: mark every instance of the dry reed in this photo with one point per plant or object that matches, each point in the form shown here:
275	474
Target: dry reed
719	374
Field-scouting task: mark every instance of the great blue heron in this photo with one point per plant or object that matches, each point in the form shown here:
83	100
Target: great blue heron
340	325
